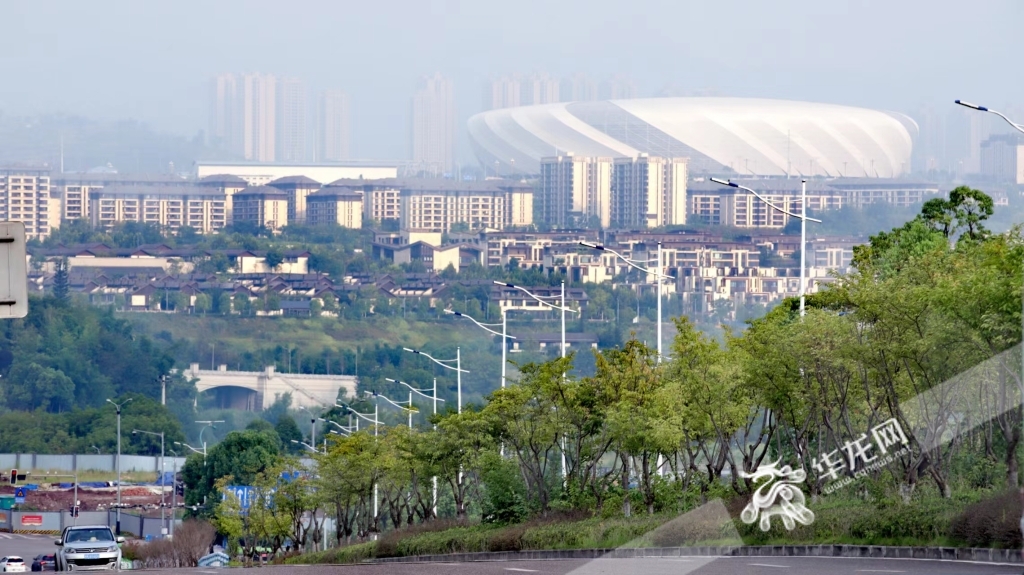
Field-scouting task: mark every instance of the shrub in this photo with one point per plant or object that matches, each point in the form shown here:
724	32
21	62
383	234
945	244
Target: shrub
993	521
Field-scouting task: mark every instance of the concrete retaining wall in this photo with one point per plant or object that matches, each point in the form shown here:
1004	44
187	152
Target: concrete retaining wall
53	522
864	551
84	462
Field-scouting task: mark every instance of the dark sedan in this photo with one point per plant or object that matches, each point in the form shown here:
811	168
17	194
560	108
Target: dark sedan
43	563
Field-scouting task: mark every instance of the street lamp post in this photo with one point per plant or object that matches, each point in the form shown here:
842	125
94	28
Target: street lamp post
1019	128
487	327
433	397
804	218
174	489
118	406
210	424
656	273
163	476
444	363
312	424
346	431
306	445
563	309
376	425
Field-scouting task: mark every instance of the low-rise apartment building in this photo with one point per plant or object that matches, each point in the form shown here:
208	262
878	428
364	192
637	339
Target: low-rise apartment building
199	207
26	196
262	206
335	205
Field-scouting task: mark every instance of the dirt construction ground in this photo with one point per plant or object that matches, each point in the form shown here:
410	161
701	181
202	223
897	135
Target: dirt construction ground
51	498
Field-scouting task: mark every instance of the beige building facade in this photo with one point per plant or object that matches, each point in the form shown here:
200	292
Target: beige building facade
25	196
337	206
262	206
648	192
171	207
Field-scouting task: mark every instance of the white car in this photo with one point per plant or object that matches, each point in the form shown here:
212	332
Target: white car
88	547
13	564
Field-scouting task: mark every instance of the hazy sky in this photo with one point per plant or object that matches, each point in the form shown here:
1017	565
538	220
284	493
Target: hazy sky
152	61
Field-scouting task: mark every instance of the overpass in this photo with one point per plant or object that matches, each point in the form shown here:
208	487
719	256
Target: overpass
257	390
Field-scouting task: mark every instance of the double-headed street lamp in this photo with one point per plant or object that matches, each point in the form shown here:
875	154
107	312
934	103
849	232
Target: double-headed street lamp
539	300
803	224
656	273
487	327
342	430
376	425
408	409
444	363
433	397
561	308
163	475
118	406
306	445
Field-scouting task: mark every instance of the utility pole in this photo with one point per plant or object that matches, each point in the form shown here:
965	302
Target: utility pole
118	406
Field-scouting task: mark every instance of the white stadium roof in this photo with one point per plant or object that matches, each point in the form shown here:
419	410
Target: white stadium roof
745	136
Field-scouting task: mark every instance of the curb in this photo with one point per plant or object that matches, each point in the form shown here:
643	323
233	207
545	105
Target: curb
980	555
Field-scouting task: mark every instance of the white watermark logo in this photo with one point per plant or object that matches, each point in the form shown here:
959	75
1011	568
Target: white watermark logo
779	496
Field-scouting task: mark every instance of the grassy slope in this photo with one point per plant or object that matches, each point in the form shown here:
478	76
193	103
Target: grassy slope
924	522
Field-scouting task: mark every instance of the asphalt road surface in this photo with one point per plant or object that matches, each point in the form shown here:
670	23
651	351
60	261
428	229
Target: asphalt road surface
653	566
26	546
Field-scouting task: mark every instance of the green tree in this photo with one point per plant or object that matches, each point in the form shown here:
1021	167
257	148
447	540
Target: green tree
274	259
288	431
60	280
242	455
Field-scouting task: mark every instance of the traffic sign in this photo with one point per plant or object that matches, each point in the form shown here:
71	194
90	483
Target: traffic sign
13	271
19	495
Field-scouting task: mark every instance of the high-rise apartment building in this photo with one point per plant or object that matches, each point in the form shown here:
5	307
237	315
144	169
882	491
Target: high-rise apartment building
258	93
503	92
1002	159
291	120
578	88
333	126
540	89
574	191
648	192
225	114
433	125
243	118
25	196
617	88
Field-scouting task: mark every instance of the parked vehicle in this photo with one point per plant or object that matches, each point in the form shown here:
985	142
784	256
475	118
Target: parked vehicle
88	547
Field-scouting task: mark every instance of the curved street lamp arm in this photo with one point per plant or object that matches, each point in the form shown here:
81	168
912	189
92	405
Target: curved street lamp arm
350	410
402	407
763	199
537	299
484	326
414	390
440	362
1016	126
626	260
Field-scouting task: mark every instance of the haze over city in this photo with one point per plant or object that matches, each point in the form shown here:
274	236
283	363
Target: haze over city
153	62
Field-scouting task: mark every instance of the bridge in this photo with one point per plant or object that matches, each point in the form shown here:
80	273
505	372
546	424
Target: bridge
257	390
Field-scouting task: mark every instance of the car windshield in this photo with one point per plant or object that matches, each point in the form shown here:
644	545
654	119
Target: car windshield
83	535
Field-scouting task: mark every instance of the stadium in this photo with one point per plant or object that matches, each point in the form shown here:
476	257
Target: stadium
742	136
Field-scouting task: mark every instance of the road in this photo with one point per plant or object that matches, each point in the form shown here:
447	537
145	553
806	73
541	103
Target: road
654	566
26	546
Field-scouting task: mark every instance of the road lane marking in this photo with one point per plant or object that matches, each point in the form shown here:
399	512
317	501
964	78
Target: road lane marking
521	570
879	571
768	565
